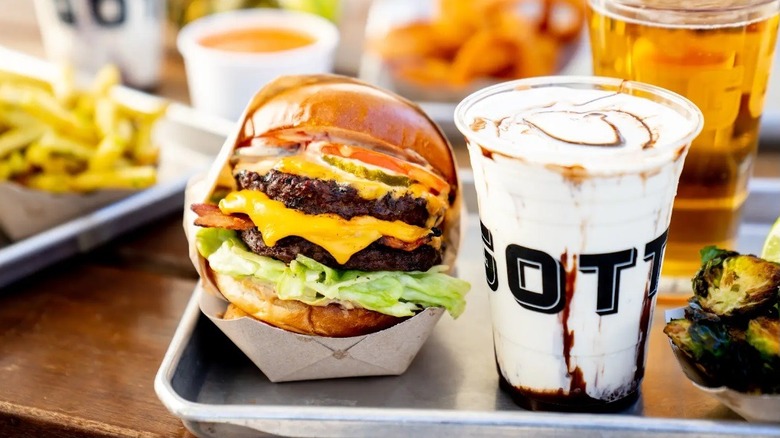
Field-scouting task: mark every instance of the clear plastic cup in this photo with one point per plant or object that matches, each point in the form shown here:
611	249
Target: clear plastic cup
575	179
719	54
88	34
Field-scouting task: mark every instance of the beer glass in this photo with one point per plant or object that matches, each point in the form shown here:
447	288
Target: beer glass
718	54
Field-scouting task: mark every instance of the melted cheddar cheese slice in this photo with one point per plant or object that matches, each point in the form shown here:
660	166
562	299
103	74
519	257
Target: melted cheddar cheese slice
340	237
304	165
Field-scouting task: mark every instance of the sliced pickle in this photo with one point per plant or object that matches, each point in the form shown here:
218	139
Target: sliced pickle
364	172
218	194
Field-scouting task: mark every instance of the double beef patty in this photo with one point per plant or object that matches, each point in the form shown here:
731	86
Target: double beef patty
314	196
375	257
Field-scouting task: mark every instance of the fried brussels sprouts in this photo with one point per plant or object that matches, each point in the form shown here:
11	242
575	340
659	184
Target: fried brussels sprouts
763	334
713	348
730	284
696	313
698	340
730	330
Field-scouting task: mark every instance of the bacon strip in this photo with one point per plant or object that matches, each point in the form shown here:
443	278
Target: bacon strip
211	216
392	242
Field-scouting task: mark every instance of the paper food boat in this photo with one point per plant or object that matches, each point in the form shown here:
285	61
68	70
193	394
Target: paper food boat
285	356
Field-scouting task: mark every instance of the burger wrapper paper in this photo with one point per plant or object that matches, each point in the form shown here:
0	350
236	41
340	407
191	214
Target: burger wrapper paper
285	356
752	407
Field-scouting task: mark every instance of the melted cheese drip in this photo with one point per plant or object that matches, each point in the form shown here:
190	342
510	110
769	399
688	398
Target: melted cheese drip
340	237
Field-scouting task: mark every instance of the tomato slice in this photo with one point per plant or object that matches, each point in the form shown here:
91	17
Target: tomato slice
370	157
397	165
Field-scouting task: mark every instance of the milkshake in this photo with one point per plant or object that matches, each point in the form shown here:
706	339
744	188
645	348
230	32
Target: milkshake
575	179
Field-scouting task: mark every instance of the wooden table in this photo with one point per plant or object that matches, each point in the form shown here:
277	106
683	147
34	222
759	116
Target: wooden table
80	343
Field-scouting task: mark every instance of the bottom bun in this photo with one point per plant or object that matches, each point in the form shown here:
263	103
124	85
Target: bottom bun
261	302
233	312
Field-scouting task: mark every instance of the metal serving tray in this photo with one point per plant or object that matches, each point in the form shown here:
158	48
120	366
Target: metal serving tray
188	139
451	388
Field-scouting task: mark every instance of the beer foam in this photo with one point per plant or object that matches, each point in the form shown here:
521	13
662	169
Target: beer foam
584	125
695	5
691	14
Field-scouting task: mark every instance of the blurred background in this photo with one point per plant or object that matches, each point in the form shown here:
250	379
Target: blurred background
433	52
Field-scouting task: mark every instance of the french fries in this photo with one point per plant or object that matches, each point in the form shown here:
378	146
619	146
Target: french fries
469	40
59	138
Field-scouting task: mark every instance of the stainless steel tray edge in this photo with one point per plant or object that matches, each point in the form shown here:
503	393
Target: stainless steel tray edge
163	379
87	232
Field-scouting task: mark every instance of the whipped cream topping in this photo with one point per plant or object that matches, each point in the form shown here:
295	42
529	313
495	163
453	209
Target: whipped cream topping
583	124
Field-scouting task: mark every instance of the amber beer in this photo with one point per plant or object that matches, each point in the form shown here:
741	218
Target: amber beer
717	54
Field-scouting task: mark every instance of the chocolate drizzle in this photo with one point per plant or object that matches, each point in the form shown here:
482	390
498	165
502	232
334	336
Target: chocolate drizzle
487	153
651	132
623	89
490	154
679	152
577	382
644	327
588	102
603	115
575	173
557	400
478	124
616	140
576	399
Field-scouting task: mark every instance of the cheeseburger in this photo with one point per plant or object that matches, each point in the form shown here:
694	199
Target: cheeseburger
335	213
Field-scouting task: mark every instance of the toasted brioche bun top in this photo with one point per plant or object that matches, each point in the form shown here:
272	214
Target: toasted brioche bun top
345	108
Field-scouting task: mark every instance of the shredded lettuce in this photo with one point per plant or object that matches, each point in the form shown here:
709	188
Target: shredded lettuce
306	280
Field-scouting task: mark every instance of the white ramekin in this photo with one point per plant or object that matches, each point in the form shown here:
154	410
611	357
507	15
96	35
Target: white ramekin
222	82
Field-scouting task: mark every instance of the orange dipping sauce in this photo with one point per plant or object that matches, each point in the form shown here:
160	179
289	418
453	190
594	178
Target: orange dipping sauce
257	40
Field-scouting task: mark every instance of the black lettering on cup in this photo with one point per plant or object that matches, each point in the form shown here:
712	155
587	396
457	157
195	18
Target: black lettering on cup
521	262
108	13
491	273
65	11
654	254
607	267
